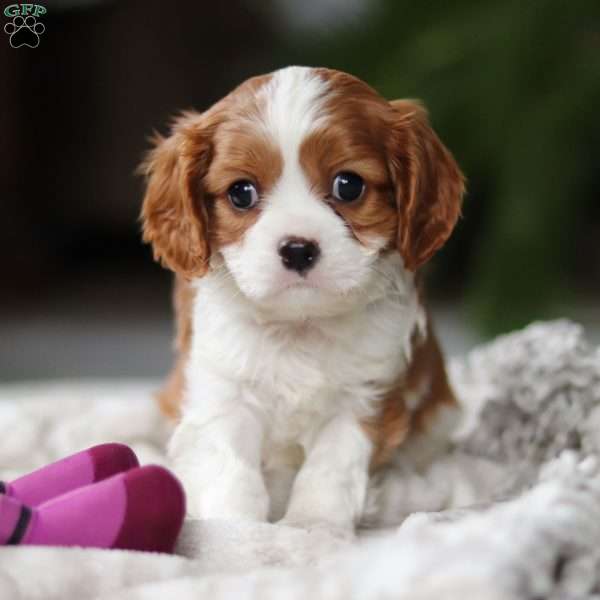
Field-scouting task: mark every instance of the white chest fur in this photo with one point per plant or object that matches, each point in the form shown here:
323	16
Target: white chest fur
298	374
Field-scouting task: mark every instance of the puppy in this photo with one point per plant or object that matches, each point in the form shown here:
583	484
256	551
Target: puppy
295	213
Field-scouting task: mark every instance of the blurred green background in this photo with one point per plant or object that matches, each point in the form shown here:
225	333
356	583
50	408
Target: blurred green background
513	89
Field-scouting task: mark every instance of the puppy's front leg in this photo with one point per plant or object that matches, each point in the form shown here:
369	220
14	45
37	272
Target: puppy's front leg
331	486
216	452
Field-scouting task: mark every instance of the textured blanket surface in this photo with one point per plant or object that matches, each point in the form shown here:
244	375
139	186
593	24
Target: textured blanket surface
512	511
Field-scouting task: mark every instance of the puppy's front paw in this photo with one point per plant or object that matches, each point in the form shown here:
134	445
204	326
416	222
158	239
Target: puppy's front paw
244	498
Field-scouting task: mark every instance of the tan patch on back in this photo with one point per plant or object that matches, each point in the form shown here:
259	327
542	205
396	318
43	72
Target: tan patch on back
171	395
426	379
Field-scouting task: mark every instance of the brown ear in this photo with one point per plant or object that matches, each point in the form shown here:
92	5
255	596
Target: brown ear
429	184
174	216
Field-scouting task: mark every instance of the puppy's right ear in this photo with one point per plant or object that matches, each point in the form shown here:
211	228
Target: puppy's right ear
174	216
429	184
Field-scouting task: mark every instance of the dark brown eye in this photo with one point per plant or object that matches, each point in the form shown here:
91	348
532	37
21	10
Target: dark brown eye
347	186
242	194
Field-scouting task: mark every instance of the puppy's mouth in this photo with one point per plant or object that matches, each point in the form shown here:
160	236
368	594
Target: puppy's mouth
300	285
308	287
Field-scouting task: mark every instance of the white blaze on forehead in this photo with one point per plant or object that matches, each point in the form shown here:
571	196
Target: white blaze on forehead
293	108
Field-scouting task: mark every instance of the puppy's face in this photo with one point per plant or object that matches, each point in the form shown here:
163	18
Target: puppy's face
297	183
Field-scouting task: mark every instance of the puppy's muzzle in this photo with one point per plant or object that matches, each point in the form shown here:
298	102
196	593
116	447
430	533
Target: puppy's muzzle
299	254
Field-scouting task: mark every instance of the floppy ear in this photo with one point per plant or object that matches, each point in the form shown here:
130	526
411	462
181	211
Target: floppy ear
174	216
429	184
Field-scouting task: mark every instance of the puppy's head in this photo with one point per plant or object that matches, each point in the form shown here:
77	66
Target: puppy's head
297	184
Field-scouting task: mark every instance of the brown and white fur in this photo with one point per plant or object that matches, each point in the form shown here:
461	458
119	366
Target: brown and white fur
292	389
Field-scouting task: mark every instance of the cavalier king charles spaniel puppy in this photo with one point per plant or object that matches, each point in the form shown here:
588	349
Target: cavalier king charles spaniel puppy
295	213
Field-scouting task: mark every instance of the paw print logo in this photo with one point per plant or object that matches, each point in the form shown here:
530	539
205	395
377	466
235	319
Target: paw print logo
24	31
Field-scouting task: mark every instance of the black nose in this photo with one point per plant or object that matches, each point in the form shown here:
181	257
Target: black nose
298	254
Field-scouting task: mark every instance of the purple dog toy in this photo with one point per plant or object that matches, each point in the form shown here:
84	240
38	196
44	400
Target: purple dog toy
99	498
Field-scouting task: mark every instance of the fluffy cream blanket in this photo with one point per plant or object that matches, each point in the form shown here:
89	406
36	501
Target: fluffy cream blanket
512	512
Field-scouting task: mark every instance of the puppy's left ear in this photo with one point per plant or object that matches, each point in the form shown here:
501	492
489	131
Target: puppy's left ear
429	184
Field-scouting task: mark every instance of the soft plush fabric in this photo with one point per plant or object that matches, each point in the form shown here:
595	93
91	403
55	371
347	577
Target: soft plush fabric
523	468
